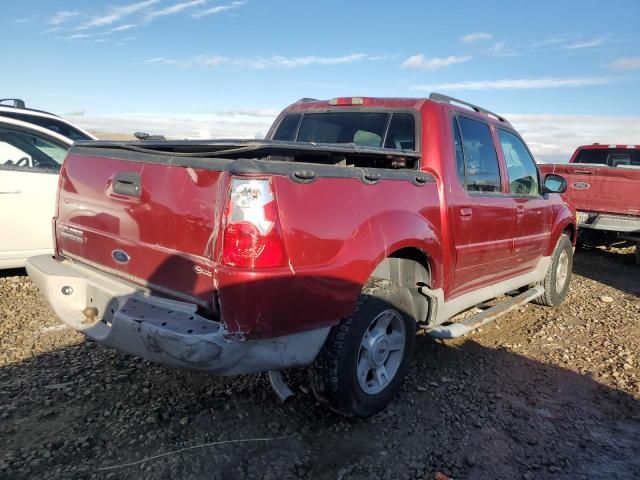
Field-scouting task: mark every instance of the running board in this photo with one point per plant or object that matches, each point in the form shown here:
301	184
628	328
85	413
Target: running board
455	330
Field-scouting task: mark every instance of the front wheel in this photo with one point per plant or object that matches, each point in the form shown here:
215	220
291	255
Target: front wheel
366	356
556	282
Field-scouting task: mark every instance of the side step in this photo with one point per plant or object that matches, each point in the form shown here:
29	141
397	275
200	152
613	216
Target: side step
455	330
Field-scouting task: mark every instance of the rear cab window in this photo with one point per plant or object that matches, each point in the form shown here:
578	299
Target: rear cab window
395	130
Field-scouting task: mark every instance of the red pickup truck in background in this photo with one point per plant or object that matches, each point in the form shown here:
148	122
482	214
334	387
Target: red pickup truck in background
603	183
357	221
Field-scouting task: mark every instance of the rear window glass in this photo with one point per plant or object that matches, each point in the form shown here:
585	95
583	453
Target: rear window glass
613	157
288	128
55	125
366	129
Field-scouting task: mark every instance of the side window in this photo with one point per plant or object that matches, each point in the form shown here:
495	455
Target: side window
482	172
521	168
25	151
402	132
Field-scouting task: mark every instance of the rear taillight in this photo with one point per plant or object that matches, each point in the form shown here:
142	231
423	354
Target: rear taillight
252	236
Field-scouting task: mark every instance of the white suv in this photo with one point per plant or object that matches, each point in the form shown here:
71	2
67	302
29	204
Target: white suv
33	145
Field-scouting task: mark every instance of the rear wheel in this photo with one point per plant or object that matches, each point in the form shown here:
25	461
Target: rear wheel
366	356
556	282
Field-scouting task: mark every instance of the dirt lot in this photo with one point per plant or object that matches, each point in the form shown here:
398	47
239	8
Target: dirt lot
540	393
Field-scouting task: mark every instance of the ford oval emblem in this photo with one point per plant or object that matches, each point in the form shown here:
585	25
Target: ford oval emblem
581	185
120	256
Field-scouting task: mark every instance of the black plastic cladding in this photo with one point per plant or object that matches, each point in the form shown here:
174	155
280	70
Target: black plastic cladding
297	171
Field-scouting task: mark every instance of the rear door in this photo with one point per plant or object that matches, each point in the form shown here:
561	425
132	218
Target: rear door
482	215
29	166
532	211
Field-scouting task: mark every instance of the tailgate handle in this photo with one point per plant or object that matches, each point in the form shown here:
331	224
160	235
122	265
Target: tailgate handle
466	212
581	172
127	183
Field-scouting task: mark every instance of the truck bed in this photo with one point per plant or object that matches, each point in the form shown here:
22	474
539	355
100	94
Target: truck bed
600	188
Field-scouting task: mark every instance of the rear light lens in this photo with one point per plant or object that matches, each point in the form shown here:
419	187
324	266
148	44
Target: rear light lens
252	236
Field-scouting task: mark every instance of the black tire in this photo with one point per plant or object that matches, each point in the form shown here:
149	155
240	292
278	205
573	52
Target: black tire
552	295
334	372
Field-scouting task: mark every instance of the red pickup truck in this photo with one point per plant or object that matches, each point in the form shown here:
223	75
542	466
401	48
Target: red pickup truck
357	221
604	186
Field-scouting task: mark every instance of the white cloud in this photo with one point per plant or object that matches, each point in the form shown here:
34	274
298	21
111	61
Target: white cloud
519	83
500	49
21	20
476	37
278	61
62	17
420	62
586	44
553	40
173	9
117	13
553	138
123	28
218	9
260	63
625	64
161	60
77	36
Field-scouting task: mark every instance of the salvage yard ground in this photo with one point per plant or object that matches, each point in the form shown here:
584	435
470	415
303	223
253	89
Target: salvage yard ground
540	393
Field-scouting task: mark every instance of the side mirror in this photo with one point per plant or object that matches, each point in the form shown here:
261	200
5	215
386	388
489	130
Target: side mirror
554	184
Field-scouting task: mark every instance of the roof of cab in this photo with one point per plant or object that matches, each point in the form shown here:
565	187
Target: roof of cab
395	102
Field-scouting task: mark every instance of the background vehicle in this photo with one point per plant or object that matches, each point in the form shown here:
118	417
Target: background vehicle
357	221
604	186
16	109
33	145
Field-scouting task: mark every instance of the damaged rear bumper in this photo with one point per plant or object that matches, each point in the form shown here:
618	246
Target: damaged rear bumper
164	331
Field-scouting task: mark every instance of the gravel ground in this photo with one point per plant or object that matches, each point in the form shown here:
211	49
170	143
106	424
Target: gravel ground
540	393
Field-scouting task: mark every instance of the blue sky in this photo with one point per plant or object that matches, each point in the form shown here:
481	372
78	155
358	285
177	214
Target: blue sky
211	68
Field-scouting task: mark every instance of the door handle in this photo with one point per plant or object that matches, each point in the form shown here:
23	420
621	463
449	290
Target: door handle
10	192
127	183
520	211
466	212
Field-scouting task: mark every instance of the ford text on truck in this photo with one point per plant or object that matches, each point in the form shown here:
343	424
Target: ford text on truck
356	222
603	183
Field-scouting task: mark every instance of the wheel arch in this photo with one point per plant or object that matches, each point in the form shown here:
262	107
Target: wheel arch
409	268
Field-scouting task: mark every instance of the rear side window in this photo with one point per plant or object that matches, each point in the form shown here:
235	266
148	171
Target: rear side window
613	157
25	151
366	129
521	168
481	169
